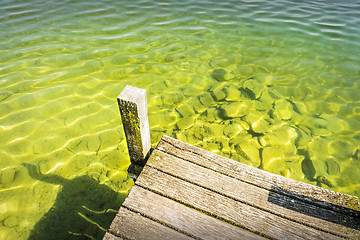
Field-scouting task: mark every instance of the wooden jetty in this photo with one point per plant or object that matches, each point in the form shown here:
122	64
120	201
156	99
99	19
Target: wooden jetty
184	192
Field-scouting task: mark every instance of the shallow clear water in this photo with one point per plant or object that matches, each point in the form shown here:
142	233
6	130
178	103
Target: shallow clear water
272	84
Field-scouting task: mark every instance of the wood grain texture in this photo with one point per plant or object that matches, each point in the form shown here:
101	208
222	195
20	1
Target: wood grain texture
109	236
308	214
227	209
131	225
306	192
132	103
185	192
182	218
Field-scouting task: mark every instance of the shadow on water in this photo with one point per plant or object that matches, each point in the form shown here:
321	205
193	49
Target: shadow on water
83	209
318	209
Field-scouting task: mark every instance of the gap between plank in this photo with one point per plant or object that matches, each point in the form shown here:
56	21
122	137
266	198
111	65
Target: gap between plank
237	200
336	208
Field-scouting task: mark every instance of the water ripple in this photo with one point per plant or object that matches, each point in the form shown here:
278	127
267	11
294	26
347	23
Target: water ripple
62	65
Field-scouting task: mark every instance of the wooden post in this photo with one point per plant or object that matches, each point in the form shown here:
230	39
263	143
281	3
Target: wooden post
133	110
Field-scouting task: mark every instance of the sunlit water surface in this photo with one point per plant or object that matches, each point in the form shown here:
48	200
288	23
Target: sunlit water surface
273	84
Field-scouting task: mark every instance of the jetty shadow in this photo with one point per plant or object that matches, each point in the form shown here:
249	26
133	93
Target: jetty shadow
315	208
83	209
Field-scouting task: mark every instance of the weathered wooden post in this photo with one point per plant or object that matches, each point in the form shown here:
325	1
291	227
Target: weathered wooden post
133	110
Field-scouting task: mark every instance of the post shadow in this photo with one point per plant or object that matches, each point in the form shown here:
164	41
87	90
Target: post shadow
80	210
315	208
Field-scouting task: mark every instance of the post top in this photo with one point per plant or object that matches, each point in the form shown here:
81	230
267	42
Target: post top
130	93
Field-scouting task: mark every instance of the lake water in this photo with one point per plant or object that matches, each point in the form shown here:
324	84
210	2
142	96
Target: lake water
273	84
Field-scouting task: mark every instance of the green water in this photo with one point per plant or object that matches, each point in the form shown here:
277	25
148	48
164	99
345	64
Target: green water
272	84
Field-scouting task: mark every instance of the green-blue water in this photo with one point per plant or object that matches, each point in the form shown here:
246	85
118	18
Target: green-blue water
273	84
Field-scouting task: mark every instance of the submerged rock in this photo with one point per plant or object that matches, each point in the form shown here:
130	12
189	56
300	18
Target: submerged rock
207	131
304	137
235	109
325	180
218	94
281	134
181	135
268	97
185	110
283	109
260	106
212	114
199	132
335	124
319	156
276	160
273	159
332	166
11	222
170	99
318	147
342	149
232	94
249	152
186	123
219	75
227	91
317	125
326	167
162	120
7	176
294	168
233	129
198	106
206	99
244	71
225	147
254	87
351	172
213	147
258	121
243	136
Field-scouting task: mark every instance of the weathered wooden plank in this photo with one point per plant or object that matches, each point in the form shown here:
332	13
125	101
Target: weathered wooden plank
227	209
304	192
299	211
131	225
132	103
109	236
182	218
